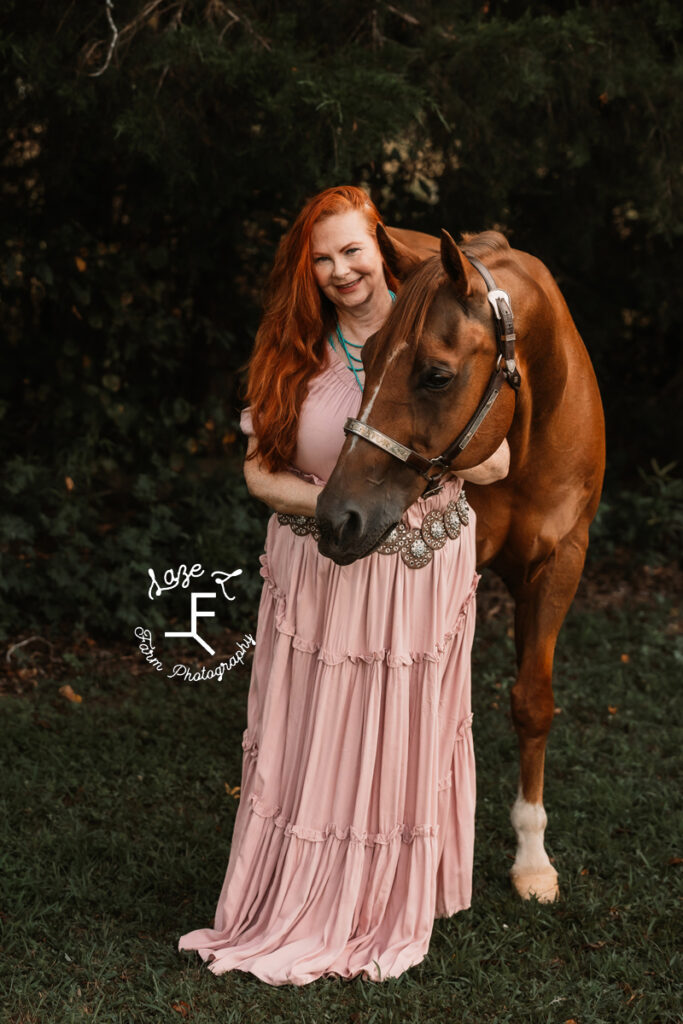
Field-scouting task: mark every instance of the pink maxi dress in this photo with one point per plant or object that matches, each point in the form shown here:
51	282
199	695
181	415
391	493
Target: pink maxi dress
355	825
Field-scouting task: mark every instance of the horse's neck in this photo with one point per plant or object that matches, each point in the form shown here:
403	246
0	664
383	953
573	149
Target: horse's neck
547	339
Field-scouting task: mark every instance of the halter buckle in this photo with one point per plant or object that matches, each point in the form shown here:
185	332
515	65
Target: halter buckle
495	296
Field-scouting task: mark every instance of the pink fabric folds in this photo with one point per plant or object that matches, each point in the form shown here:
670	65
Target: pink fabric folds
356	819
355	826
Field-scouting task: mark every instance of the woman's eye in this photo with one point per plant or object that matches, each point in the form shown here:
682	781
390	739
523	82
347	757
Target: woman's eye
352	250
319	259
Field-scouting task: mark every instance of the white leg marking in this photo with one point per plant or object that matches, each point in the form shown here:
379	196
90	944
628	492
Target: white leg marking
532	872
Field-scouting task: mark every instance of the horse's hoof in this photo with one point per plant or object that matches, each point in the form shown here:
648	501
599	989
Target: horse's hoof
542	884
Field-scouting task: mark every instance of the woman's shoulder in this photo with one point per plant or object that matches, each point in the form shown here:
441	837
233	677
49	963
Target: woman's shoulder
246	422
332	380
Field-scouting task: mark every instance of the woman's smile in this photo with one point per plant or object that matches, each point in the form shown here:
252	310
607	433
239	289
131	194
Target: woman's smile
349	286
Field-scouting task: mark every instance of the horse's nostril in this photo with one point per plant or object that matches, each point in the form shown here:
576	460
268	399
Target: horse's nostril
351	526
342	527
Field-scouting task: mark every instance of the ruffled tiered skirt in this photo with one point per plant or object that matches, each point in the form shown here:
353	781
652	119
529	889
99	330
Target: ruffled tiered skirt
355	826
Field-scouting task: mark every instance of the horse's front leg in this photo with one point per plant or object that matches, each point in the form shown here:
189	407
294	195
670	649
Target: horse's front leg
540	609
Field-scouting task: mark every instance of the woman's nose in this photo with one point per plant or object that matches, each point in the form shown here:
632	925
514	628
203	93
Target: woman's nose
340	269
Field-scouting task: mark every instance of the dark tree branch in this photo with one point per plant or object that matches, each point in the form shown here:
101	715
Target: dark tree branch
112	43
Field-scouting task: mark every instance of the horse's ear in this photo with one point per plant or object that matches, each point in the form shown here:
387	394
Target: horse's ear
397	256
456	265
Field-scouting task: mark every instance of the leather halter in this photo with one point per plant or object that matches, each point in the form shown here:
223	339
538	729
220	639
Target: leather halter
504	370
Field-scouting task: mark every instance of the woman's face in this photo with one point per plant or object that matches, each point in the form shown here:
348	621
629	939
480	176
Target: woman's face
346	260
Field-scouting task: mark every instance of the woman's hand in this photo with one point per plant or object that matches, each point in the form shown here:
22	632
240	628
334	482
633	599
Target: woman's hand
494	468
282	491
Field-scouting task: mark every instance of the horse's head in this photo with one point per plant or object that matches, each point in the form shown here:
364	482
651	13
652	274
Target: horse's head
426	371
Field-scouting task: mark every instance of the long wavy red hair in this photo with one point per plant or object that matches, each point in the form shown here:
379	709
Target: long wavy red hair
289	347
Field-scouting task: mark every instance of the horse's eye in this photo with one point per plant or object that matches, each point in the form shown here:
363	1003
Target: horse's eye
435	381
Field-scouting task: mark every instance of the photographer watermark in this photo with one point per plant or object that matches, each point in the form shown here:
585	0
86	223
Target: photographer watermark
183	577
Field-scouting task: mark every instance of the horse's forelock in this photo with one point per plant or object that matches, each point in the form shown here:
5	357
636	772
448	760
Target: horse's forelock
417	295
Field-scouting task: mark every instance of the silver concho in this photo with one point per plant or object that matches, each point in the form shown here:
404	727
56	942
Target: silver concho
433	529
395	541
451	520
300	525
416	546
415	553
463	508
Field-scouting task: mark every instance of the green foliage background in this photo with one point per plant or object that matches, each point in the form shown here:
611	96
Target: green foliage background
141	208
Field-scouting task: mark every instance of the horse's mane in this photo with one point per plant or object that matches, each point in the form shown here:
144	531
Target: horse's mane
485	241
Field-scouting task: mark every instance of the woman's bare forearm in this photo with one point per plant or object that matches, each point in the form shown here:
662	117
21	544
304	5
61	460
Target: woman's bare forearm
494	468
282	491
286	492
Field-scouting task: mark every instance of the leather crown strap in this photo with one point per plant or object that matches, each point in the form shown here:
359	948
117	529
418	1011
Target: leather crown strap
505	370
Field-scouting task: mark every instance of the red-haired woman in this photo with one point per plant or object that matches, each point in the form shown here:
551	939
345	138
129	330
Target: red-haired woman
355	826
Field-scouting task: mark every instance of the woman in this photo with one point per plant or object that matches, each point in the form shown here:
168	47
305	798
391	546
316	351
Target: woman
355	826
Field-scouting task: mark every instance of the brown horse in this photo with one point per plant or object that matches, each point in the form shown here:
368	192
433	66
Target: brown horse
425	373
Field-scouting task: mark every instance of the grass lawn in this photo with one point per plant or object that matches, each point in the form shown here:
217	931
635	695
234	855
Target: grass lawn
116	826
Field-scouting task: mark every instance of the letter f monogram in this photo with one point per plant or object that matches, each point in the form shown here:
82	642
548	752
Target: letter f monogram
195	615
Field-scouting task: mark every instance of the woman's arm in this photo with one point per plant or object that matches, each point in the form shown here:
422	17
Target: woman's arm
282	491
286	492
494	468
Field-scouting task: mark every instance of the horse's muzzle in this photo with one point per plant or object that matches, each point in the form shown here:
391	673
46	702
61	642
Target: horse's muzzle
342	533
349	531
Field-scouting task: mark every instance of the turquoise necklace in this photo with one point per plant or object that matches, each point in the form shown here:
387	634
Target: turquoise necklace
351	357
